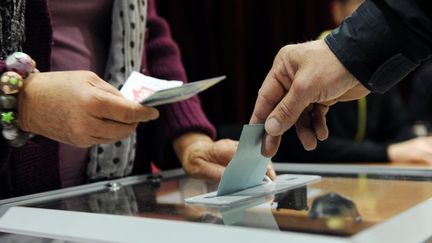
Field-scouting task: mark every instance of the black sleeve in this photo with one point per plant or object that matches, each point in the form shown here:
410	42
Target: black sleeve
384	40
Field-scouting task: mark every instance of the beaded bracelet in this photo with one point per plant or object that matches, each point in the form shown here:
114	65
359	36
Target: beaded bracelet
19	66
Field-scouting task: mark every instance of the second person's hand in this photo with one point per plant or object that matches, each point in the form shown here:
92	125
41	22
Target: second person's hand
304	81
203	158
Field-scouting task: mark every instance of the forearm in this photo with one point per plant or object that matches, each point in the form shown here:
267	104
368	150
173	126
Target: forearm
384	41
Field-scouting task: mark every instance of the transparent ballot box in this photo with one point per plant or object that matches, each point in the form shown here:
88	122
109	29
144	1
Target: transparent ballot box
348	204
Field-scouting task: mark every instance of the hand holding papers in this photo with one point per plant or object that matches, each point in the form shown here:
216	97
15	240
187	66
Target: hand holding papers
152	91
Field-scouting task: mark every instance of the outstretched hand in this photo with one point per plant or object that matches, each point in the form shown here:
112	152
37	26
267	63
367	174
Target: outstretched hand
203	158
304	81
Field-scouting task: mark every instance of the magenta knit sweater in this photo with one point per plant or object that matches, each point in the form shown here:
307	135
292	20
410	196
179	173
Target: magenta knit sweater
34	167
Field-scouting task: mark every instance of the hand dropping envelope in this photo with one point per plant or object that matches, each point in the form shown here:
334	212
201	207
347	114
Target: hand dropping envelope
243	177
152	91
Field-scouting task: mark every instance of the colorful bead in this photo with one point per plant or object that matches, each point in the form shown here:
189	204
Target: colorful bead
21	63
19	66
10	133
20	140
7	102
8	117
10	82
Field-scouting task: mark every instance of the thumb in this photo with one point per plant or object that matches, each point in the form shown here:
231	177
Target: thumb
288	110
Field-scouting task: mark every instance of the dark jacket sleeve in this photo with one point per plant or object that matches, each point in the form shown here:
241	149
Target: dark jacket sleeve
163	60
384	40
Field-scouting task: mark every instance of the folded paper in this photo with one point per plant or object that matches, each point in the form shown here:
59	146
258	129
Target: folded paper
152	91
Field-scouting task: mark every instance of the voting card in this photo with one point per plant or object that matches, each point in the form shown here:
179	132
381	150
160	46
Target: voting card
282	183
243	178
152	91
248	166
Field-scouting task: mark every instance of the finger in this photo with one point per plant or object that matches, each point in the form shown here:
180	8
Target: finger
270	145
206	171
271	172
305	131
108	106
223	151
100	140
273	89
288	111
319	121
111	130
268	97
89	141
105	86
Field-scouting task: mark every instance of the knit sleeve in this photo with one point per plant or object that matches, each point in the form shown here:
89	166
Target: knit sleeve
164	61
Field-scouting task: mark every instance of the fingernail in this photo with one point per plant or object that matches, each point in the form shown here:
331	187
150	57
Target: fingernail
270	146
273	126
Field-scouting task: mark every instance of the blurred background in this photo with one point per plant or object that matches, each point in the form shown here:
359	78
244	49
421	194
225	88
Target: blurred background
239	39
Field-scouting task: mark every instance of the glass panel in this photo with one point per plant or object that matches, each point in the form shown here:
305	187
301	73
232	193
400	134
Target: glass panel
339	206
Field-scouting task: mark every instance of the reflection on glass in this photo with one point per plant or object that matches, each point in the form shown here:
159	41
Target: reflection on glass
255	213
376	200
293	199
333	205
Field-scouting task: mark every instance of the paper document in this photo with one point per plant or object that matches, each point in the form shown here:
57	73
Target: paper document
152	91
248	167
243	178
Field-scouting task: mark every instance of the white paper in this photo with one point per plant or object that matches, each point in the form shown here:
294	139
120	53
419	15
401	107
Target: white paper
152	91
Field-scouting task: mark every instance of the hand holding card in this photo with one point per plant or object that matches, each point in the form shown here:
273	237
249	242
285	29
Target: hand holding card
152	91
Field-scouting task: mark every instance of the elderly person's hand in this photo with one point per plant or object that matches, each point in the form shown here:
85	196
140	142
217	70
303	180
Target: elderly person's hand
78	108
304	81
203	158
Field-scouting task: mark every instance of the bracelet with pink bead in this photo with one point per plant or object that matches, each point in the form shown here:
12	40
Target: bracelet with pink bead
19	66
